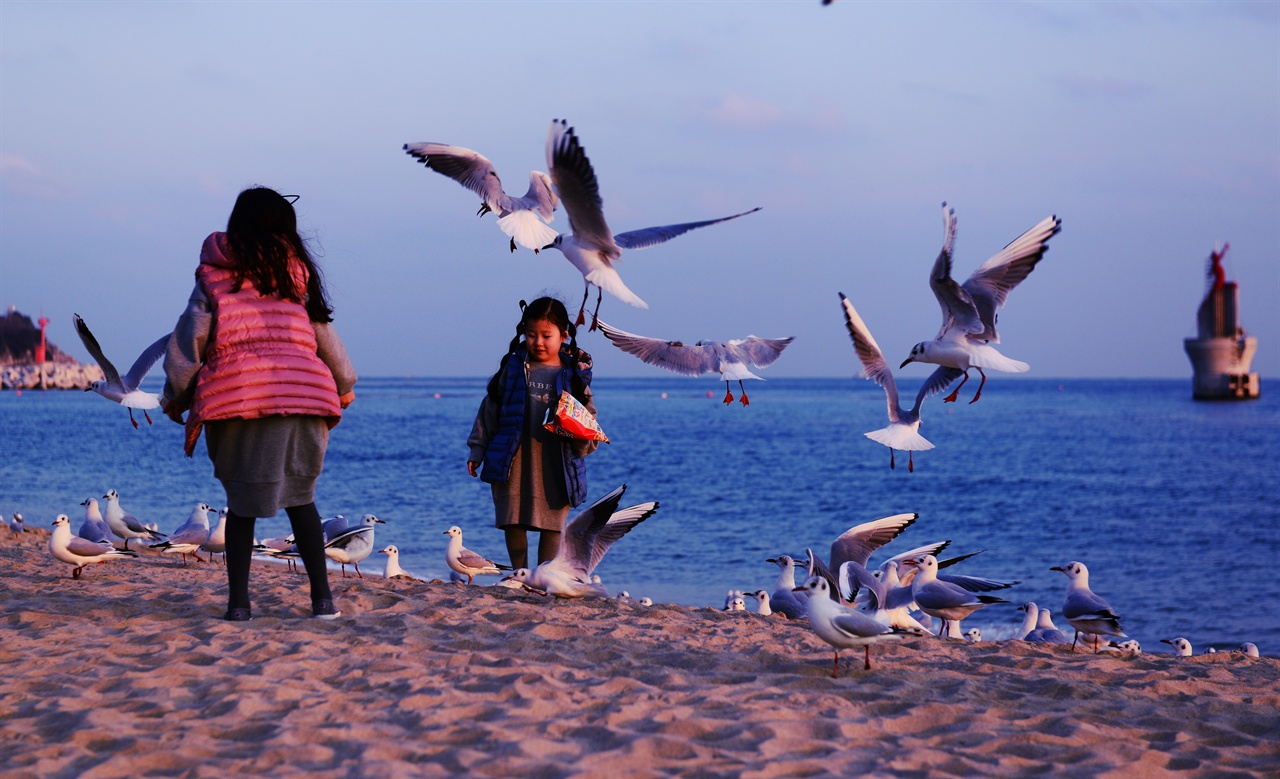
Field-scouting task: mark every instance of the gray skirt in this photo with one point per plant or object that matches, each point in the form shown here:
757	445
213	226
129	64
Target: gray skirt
267	464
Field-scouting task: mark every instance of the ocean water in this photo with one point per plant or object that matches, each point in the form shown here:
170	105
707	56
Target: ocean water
1172	504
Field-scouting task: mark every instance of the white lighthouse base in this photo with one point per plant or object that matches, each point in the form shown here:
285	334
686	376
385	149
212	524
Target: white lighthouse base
1222	368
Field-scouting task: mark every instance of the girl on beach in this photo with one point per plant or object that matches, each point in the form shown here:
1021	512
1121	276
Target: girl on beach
257	363
536	475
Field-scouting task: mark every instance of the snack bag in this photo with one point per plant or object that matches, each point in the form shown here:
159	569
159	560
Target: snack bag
571	419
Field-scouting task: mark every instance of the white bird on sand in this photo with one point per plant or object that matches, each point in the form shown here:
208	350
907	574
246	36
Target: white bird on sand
15	524
1249	649
903	431
1181	646
465	561
592	247
353	545
521	218
1045	631
647	601
124	524
583	544
1087	612
784	599
736	603
94	528
841	626
394	571
1030	614
217	543
969	309
728	358
942	599
79	551
124	389
189	536
973	635
762	598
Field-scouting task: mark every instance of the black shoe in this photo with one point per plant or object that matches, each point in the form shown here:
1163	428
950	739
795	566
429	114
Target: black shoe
324	609
238	615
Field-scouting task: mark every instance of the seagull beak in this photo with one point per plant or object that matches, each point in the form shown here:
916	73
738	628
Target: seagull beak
549	246
1058	568
906	362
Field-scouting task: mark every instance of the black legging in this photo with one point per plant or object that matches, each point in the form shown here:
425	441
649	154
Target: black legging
307	533
518	545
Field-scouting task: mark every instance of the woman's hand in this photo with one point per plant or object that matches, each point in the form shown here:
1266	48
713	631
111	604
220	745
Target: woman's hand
347	399
472	466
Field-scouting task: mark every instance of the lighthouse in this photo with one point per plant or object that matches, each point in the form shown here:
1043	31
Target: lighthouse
1221	353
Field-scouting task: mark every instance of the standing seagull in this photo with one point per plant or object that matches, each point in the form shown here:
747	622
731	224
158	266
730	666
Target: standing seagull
189	536
903	431
728	358
394	571
352	546
126	525
1087	613
94	528
592	247
841	626
79	551
15	524
465	561
518	217
217	543
942	599
969	309
124	389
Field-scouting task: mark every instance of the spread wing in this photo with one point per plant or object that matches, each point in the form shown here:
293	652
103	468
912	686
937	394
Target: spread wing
760	352
620	523
652	236
138	371
575	180
869	354
959	314
578	539
937	382
469	168
991	283
95	351
857	543
688	359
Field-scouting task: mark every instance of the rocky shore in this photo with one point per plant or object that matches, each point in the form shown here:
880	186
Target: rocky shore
20	364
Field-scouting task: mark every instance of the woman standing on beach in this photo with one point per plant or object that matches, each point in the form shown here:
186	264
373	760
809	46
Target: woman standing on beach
257	363
537	476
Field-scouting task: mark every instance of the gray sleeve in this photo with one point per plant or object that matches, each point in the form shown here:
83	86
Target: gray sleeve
482	430
330	350
185	354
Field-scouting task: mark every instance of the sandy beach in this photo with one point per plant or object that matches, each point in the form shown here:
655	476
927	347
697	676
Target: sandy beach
130	671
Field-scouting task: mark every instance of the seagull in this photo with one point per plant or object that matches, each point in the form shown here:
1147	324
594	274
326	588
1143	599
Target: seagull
1030	615
592	247
394	571
1046	632
583	544
465	561
124	390
903	431
973	635
1130	647
126	525
15	524
94	528
331	528
762	598
783	598
217	543
1087	613
79	551
1249	649
352	545
736	603
728	358
857	545
1181	646
841	626
189	536
969	309
518	217
942	599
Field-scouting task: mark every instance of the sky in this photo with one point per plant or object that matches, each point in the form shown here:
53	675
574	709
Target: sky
1151	129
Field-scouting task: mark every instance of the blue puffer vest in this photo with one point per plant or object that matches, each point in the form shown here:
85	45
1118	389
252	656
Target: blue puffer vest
506	440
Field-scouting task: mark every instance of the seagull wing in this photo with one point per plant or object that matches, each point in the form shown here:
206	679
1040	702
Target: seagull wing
620	523
760	352
853	577
855	624
937	382
83	547
470	559
575	180
138	371
652	236
469	168
344	539
857	543
578	539
872	359
975	583
959	314
689	359
991	283
95	351
919	552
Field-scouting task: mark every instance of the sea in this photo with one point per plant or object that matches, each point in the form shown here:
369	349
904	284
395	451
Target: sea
1171	503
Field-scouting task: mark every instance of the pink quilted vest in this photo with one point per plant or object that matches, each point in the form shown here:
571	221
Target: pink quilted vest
261	357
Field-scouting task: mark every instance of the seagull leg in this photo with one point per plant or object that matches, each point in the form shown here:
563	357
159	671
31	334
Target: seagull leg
75	572
595	315
484	209
728	395
149	422
200	559
469	579
956	392
836	668
1074	640
582	319
745	402
981	384
867	667
891	465
513	246
357	567
131	419
911	463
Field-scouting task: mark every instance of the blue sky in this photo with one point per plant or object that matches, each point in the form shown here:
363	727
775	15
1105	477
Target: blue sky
1151	129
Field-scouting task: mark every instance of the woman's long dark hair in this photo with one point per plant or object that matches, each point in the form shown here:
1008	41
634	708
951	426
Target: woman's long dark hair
262	235
553	311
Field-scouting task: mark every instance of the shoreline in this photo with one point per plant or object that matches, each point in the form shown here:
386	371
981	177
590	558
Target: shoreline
130	671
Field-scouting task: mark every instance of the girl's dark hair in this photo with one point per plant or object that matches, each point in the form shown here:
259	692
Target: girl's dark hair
553	311
262	235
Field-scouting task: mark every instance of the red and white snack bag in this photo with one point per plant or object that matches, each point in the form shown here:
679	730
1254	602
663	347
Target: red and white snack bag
571	419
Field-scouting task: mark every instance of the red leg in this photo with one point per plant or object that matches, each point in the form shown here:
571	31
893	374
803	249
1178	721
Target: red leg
868	665
891	465
911	463
148	416
357	567
955	392
728	395
595	315
131	419
745	402
582	308
981	384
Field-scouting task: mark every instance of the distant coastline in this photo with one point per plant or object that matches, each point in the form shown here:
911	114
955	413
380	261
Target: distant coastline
20	364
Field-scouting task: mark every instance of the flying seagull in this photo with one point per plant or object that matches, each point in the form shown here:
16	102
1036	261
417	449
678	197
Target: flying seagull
124	390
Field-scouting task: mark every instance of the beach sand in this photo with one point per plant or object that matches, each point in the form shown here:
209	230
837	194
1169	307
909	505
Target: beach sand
131	672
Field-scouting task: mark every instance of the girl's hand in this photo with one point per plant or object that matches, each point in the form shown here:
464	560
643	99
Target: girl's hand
172	410
472	465
347	399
